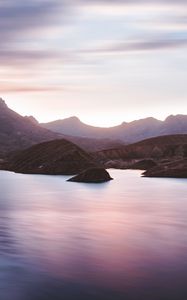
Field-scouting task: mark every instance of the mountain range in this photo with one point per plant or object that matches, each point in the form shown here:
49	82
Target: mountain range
50	152
126	132
18	132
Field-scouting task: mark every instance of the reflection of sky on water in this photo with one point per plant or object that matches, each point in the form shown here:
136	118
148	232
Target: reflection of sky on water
126	236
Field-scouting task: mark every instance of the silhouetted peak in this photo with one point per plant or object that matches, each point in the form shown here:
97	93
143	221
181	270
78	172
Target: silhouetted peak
74	119
170	118
151	119
2	104
147	120
71	121
32	119
178	117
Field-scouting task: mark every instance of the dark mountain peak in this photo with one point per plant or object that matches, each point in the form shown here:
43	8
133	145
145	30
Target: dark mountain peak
18	132
31	119
123	124
151	119
67	121
169	117
73	120
178	117
148	120
2	104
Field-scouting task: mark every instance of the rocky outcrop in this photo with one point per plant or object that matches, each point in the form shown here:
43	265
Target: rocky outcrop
176	169
58	157
92	175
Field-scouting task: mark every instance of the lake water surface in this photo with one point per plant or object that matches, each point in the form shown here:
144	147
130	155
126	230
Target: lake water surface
126	239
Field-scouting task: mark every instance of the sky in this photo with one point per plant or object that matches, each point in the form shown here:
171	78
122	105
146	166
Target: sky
104	61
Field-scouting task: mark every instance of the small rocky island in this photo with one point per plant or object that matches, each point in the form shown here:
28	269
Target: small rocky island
92	175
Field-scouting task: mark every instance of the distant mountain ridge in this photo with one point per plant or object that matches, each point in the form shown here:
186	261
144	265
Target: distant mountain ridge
126	132
18	132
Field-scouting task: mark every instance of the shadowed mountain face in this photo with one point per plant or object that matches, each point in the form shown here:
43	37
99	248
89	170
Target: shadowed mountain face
173	169
164	156
148	154
157	148
58	157
17	132
126	132
93	145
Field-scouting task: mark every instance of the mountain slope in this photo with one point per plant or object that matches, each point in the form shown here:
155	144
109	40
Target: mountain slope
73	126
157	148
17	132
57	157
126	132
172	169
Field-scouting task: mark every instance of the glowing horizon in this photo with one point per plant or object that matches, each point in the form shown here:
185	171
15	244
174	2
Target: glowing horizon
109	121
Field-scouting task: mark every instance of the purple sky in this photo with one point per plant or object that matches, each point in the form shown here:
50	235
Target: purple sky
103	61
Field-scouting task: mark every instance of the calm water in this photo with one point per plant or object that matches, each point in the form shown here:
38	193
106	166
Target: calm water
126	239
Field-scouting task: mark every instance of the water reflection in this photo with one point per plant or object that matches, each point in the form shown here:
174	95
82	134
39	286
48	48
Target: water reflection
123	240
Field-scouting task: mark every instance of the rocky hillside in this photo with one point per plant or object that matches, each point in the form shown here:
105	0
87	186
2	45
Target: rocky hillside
144	154
17	132
58	157
126	132
172	169
159	147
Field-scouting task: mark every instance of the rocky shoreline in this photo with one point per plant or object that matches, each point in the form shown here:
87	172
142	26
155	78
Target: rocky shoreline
172	169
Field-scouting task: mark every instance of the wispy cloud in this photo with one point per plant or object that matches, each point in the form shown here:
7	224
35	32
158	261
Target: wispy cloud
28	89
23	58
137	46
131	2
33	36
20	16
23	29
